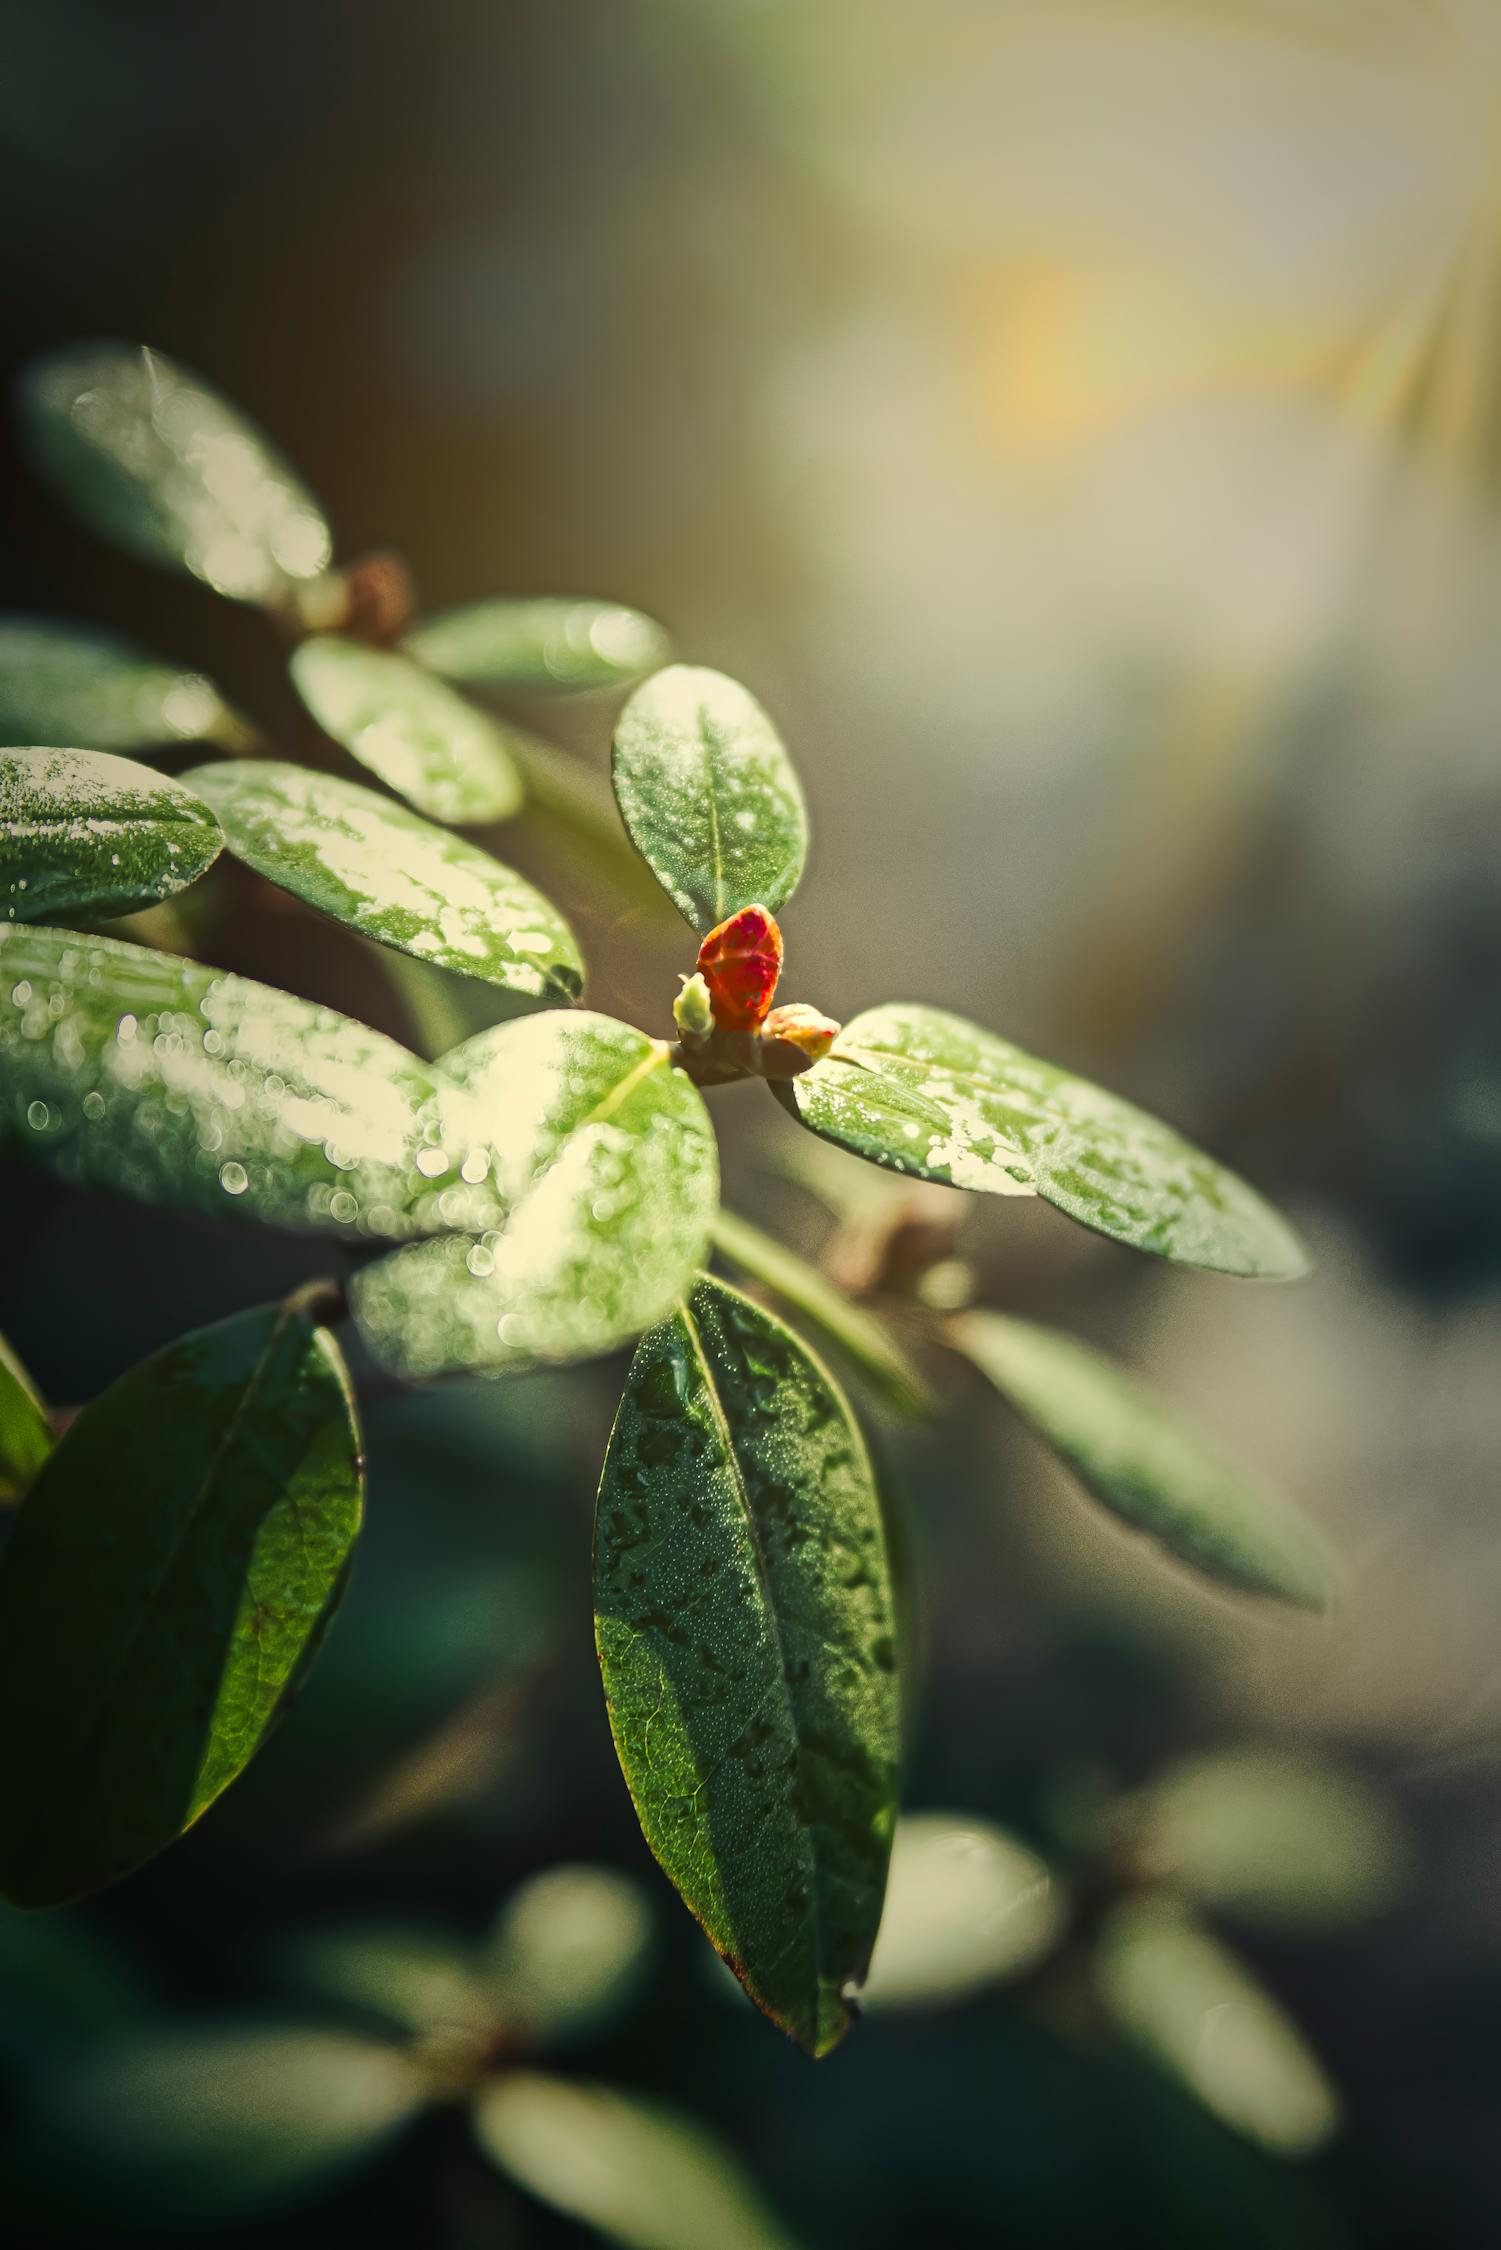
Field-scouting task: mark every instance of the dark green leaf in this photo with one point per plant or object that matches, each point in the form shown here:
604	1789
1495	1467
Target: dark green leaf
569	1952
25	1427
633	2170
539	646
83	831
154	459
72	683
392	875
744	1620
184	1543
926	1093
709	795
449	760
607	1158
1130	1453
127	1069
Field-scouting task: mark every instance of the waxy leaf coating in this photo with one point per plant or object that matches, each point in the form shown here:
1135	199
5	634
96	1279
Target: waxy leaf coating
84	832
1130	1453
421	739
744	1618
25	1427
61	682
392	875
606	1157
127	1069
924	1092
709	795
169	1570
538	645
153	458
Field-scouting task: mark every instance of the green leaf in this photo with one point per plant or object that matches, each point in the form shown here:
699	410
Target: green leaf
569	1951
539	646
182	1546
1129	1452
744	1617
25	1427
81	830
858	1334
967	1906
127	1069
607	1158
709	795
410	1979
634	2170
1202	2018
422	740
926	1093
392	876
72	683
205	2125
153	458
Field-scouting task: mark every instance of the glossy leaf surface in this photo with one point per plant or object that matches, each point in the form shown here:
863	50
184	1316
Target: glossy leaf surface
1130	1453
127	1069
926	1093
539	645
25	1427
607	1158
154	459
183	1546
84	832
392	875
709	795
68	683
421	739
744	1617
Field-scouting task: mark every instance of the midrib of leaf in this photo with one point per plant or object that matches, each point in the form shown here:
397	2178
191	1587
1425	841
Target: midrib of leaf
710	742
873	1059
621	1091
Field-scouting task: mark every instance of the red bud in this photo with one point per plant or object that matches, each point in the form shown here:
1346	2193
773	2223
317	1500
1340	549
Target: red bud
740	962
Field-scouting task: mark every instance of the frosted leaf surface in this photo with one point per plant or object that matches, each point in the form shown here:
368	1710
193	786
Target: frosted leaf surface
412	731
81	830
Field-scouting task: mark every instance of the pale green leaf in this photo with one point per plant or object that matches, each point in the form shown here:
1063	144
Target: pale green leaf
923	1092
179	1553
539	645
412	1979
744	1617
153	458
569	1951
392	875
967	1906
634	2170
126	1069
606	1156
82	831
61	682
1130	1453
420	738
709	795
1192	2007
25	1427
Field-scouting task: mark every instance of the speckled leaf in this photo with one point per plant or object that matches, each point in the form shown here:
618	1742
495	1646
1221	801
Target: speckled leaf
1131	1454
632	2169
709	795
153	458
84	832
72	683
126	1069
25	1427
392	875
743	1612
186	1540
539	646
926	1093
423	741
607	1157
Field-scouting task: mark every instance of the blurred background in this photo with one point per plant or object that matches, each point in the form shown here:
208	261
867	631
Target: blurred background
1079	422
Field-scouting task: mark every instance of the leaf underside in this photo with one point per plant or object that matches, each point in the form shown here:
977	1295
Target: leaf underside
82	831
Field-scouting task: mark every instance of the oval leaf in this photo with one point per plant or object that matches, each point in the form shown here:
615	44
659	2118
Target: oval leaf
634	2170
569	1951
71	683
392	876
127	1069
169	1569
83	831
967	1906
153	458
1129	1452
406	1977
709	795
539	646
607	1157
421	739
25	1427
927	1093
743	1612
